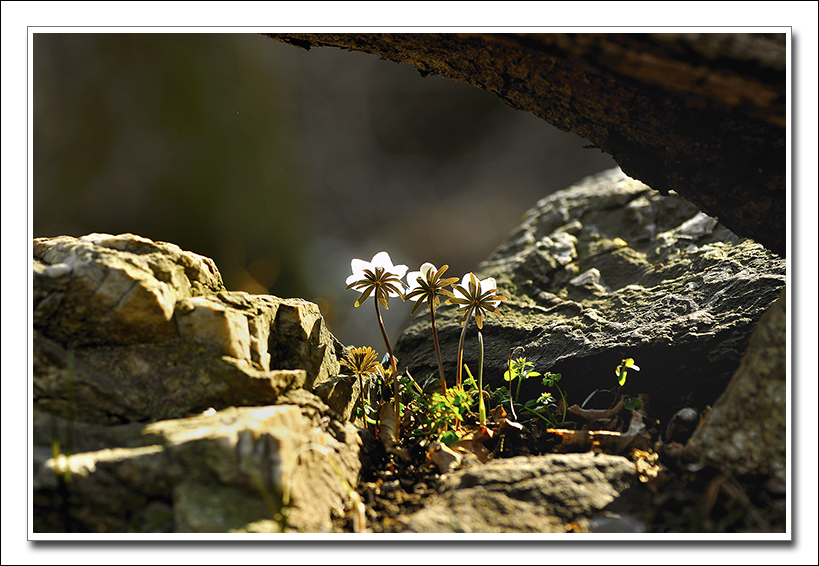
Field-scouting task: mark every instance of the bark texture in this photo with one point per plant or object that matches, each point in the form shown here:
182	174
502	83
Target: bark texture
701	114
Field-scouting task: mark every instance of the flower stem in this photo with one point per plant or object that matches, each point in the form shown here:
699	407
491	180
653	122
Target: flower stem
437	349
481	405
394	370
459	374
363	404
511	402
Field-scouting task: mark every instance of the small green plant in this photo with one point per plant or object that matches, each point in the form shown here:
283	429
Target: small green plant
550	380
622	370
448	412
519	369
543	406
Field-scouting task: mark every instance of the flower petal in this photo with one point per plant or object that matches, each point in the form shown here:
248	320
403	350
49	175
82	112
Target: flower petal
354	278
488	284
382	259
359	265
412	280
426	268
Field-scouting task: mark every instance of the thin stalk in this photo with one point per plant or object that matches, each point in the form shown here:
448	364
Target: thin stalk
511	401
481	405
363	404
437	348
394	370
459	375
517	391
563	398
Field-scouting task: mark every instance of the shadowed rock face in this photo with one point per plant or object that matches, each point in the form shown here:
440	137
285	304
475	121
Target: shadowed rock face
746	429
610	269
699	114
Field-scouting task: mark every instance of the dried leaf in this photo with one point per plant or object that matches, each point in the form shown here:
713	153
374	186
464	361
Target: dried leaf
592	415
442	456
636	428
573	438
648	466
498	414
473	446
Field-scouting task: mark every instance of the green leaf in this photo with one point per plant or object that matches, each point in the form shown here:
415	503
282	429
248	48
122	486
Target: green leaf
449	438
632	404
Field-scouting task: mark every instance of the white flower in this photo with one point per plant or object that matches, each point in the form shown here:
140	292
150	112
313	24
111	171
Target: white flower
379	275
426	284
476	297
423	274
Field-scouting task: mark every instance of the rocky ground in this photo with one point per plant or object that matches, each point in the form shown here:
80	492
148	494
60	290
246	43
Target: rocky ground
165	403
673	494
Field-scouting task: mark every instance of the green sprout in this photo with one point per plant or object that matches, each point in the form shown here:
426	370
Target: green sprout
521	369
425	286
382	278
622	370
518	369
550	380
475	298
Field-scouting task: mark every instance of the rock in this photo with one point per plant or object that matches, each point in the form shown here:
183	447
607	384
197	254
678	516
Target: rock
213	472
609	269
525	494
702	114
745	430
153	334
165	403
147	382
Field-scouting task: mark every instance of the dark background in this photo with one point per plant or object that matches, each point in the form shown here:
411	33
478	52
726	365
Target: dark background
282	164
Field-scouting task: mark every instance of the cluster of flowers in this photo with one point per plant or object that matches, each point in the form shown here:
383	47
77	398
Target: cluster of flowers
380	278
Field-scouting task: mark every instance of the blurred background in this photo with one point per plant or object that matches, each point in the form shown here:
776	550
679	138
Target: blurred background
282	164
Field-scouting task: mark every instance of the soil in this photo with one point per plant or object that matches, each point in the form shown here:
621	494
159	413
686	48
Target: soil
675	496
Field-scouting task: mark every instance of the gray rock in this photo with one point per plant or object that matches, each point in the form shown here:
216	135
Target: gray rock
529	494
745	430
609	269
